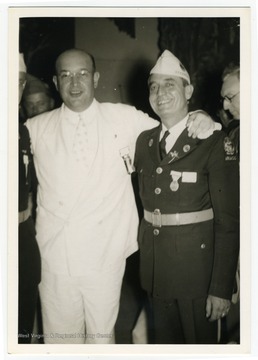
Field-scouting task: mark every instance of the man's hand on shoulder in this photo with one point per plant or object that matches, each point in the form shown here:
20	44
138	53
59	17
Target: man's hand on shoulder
200	125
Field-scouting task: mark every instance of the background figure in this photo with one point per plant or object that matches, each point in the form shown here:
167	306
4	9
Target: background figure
189	237
230	92
37	98
29	256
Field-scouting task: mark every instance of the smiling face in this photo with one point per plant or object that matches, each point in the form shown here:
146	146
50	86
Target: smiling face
169	97
76	79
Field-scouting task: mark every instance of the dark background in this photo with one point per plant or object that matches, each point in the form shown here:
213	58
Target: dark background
204	45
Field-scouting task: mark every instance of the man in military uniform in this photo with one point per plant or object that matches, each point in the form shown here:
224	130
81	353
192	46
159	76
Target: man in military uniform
188	239
29	256
230	92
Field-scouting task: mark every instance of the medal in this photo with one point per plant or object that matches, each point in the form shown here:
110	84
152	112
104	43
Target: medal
186	148
174	186
150	142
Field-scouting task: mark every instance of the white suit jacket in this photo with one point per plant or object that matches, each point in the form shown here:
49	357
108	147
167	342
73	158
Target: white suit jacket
86	218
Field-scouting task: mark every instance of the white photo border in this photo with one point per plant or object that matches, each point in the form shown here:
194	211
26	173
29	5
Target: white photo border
14	14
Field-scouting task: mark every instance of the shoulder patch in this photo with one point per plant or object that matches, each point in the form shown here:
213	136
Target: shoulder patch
230	149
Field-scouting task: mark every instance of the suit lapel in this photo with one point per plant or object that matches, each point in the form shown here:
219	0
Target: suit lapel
182	147
153	144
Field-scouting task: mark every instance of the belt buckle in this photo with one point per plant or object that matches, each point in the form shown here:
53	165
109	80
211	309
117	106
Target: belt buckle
156	218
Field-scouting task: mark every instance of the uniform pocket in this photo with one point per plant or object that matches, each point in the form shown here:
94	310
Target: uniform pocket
195	238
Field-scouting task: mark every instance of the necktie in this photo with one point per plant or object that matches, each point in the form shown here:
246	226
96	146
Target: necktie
81	141
162	145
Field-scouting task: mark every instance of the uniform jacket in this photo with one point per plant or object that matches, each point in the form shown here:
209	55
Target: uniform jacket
29	256
86	217
190	260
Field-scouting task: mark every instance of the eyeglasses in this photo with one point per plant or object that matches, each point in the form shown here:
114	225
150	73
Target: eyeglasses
67	76
229	98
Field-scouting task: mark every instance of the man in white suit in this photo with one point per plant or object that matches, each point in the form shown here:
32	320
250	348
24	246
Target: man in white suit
86	218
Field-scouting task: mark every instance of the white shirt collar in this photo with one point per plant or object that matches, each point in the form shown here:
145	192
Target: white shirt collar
87	114
175	131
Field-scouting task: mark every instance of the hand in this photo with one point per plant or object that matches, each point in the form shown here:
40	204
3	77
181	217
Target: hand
30	203
216	307
199	123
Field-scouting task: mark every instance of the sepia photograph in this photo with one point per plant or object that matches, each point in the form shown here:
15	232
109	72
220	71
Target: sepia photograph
128	201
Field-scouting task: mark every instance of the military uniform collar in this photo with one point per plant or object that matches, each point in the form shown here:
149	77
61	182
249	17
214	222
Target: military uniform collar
182	147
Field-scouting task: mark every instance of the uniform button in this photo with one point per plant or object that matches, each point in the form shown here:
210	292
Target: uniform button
203	246
156	232
159	170
157	191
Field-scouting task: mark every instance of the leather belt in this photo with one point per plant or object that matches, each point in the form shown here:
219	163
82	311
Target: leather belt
157	219
24	215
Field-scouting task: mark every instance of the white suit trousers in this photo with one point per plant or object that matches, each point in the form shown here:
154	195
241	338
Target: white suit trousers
80	309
